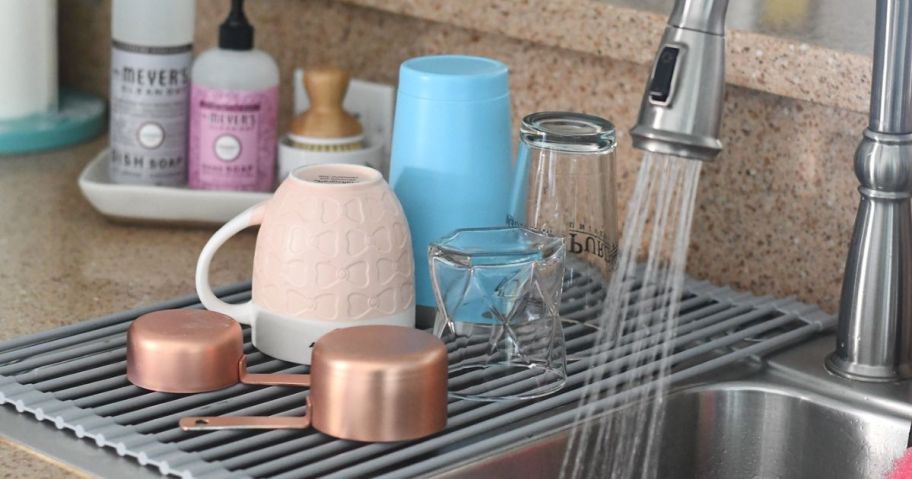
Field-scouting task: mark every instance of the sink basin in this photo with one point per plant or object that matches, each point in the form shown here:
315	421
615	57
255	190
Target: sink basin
751	430
782	418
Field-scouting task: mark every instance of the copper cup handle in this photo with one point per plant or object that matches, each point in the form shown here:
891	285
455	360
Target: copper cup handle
299	380
215	423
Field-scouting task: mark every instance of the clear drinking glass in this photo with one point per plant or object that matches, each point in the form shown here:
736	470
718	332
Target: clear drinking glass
564	185
498	292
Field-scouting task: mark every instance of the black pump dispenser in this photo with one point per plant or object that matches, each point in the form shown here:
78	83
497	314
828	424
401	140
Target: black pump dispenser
236	33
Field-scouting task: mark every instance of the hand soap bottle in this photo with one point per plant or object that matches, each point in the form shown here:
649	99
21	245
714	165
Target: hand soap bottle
233	112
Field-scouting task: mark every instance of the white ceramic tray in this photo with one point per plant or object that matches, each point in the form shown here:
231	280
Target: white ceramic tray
160	204
371	102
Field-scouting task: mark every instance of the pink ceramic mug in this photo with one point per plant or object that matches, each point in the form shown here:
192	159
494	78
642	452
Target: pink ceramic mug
333	251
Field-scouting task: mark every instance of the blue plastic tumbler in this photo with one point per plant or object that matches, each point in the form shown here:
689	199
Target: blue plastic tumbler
451	152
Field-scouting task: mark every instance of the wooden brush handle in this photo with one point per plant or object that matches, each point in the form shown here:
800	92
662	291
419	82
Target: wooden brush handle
326	88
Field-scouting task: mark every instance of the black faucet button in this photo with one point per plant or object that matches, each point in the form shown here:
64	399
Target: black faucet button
660	86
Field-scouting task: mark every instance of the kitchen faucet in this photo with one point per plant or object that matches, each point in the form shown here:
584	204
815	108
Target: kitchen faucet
680	115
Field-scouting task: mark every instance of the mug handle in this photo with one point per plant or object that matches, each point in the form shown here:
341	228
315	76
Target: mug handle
215	423
243	313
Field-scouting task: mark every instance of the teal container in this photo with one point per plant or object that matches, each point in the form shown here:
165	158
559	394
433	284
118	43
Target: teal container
451	151
78	117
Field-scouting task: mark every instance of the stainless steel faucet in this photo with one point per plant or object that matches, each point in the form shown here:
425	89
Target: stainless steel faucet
874	340
680	115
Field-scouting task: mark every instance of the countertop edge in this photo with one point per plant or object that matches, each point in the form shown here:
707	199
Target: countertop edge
777	65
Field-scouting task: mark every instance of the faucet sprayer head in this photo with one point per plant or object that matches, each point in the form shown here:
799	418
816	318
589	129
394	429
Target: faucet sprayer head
681	110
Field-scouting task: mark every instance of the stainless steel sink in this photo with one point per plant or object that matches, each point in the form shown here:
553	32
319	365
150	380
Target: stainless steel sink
752	430
785	417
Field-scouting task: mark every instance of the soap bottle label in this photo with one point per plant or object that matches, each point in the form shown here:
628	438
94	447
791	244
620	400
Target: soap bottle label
149	95
233	139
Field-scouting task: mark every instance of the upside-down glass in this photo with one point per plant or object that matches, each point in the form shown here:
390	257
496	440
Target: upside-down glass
564	185
497	293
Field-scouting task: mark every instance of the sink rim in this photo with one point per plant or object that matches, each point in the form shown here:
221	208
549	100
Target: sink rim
796	372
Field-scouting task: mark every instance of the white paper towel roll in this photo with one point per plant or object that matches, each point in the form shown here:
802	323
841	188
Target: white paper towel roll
28	57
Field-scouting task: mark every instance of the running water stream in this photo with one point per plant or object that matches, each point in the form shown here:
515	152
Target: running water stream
638	325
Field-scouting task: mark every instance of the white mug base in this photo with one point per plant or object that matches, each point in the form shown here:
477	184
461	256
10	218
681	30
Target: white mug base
292	339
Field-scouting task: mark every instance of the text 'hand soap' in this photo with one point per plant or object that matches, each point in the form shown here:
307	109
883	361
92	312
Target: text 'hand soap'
233	112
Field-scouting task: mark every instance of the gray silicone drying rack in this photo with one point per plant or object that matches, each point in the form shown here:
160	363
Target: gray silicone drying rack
74	378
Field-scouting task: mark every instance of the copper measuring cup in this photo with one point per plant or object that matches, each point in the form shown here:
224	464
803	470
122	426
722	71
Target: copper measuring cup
368	383
192	351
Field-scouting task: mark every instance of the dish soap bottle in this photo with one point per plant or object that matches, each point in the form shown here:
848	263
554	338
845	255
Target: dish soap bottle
233	112
150	78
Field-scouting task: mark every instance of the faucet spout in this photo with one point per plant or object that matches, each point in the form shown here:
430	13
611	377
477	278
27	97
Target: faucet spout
701	15
681	111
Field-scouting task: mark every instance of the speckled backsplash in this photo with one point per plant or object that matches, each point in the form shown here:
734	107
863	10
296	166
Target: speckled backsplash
774	212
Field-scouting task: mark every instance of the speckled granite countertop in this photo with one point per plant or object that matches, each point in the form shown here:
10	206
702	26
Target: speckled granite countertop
760	55
64	263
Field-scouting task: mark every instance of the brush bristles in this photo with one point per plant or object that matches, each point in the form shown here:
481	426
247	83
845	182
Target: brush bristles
355	145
